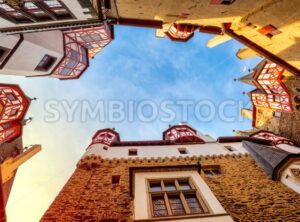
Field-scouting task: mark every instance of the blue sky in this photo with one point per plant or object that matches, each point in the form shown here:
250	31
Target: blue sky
136	66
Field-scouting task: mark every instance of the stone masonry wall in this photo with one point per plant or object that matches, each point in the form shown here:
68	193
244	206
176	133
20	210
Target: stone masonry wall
243	189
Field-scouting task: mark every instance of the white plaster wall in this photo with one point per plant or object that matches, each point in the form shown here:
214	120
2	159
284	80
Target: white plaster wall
141	207
289	180
8	41
162	151
5	23
33	48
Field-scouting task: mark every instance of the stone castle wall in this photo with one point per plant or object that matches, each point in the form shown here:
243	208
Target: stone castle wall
243	189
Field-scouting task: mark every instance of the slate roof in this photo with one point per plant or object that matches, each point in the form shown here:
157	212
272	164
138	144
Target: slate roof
270	159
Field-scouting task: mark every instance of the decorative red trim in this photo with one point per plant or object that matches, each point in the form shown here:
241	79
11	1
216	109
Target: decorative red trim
260	50
280	141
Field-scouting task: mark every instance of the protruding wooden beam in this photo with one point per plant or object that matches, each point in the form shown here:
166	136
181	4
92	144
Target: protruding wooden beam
217	40
8	167
246	53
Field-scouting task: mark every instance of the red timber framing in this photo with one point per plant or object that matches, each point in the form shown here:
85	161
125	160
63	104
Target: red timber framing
35	11
10	131
276	140
275	95
106	136
80	44
260	50
181	32
14	103
93	38
75	60
182	133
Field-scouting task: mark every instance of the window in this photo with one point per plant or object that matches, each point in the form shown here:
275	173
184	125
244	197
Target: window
229	148
269	31
212	170
221	2
277	114
115	179
3	53
277	99
132	152
182	151
46	63
174	197
296	172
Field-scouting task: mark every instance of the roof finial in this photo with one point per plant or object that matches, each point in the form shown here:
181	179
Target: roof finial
24	122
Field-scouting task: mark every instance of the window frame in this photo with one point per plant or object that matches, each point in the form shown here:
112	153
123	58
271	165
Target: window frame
132	150
164	193
182	150
50	61
209	171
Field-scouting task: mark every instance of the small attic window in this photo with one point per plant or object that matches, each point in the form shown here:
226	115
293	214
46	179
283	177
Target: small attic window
277	114
221	2
132	152
115	179
229	148
182	150
269	31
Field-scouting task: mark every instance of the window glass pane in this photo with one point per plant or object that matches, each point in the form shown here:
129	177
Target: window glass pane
154	187
159	207
176	205
184	185
193	203
169	185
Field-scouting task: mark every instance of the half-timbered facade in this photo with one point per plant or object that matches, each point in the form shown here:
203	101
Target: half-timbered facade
13	107
62	54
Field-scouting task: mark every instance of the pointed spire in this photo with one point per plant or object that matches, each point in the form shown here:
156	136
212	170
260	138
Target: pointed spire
248	79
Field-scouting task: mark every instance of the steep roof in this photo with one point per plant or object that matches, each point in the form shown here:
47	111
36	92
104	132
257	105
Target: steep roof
271	160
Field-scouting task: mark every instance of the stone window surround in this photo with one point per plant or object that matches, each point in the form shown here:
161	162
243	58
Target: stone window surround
181	193
141	197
